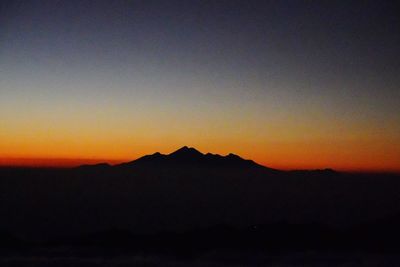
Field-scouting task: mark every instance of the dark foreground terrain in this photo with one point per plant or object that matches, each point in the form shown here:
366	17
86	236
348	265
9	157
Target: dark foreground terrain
194	209
214	258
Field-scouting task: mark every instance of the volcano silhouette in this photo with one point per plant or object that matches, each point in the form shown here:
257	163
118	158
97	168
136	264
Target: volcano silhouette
191	157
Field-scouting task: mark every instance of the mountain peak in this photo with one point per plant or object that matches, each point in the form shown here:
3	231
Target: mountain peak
233	156
186	151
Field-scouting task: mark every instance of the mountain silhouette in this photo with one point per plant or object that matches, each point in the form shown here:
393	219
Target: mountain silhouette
189	157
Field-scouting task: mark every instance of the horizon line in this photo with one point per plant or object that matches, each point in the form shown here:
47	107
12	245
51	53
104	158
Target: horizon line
72	162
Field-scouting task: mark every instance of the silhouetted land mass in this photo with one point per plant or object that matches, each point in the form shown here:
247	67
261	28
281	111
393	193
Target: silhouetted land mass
186	157
193	202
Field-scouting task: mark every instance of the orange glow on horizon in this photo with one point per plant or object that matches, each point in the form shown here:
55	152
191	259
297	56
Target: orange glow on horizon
295	146
278	156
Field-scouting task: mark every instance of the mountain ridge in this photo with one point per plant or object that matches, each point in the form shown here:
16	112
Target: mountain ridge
189	156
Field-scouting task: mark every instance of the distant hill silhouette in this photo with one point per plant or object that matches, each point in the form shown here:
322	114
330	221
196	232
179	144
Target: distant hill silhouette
99	166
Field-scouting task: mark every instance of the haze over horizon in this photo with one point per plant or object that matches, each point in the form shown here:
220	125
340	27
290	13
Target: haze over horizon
290	85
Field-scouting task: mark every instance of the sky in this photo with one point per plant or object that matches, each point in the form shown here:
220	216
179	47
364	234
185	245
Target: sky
289	84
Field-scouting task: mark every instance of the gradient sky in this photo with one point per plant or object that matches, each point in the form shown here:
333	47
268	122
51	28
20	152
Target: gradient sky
289	84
